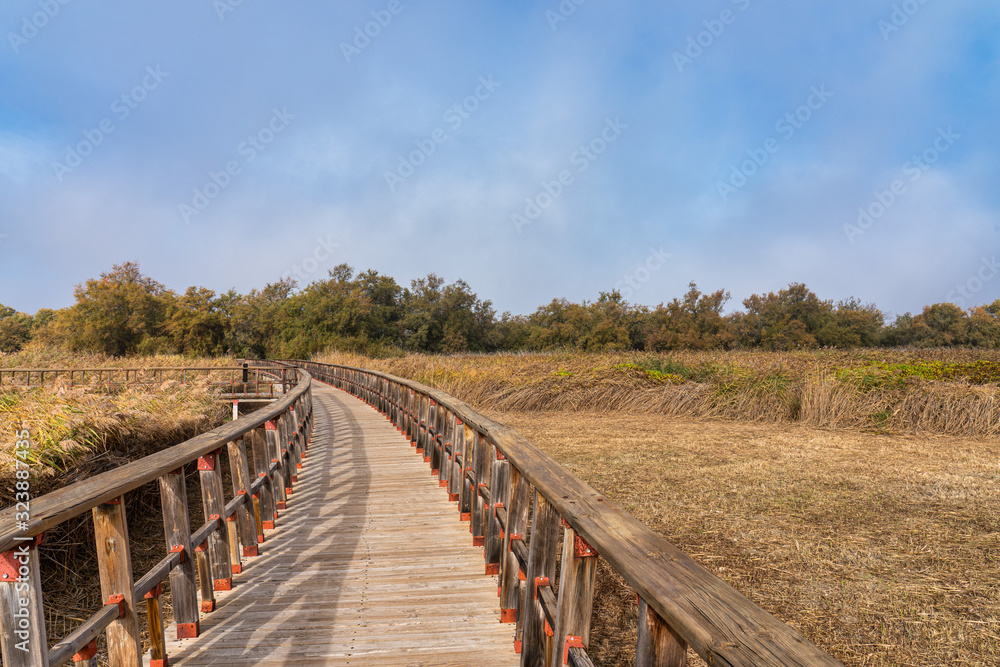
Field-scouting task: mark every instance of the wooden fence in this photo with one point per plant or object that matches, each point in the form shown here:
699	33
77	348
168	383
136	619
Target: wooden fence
278	436
518	500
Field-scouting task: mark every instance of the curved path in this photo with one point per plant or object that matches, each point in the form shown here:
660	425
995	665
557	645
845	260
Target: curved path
369	565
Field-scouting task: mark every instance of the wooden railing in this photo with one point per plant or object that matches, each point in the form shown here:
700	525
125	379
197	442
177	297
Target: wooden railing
236	378
503	484
278	435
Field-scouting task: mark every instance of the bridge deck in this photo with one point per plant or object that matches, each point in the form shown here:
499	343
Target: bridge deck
369	564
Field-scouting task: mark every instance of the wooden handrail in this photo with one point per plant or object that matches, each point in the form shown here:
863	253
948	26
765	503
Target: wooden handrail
682	602
212	547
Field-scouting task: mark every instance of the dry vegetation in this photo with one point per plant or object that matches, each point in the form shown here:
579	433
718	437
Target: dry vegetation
83	431
879	540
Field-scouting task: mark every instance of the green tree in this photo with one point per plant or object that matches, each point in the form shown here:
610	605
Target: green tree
15	329
115	313
696	322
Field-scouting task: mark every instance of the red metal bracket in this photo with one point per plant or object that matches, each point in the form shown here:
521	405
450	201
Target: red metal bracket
120	601
251	551
223	584
206	462
582	548
9	566
496	506
187	630
179	548
513	536
478	541
492	569
500	456
548	629
113	501
86	653
453	497
159	663
155	593
202	548
571	642
217	519
207	606
508	615
517	646
231	518
540	581
270	426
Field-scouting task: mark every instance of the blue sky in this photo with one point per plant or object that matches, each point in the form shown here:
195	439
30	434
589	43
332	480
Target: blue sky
534	149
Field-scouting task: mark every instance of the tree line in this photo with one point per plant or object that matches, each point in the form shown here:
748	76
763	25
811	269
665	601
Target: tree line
124	312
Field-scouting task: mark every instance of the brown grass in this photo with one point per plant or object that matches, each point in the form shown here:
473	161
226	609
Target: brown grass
830	388
883	550
77	433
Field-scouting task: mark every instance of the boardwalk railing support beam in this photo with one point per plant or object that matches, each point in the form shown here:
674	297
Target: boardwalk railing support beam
22	618
658	645
115	563
177	528
536	650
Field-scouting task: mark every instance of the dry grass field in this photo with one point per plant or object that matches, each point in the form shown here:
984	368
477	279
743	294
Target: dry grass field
856	502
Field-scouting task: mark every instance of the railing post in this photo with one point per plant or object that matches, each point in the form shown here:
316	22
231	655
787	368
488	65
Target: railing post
536	651
177	528
576	593
22	618
154	617
213	500
482	458
499	492
240	472
467	450
115	562
264	499
455	477
658	645
517	504
274	456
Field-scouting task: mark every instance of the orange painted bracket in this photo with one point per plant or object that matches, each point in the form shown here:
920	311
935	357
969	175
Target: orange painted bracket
508	615
86	653
120	601
179	548
571	642
207	606
492	568
250	551
187	630
223	584
540	581
155	593
206	462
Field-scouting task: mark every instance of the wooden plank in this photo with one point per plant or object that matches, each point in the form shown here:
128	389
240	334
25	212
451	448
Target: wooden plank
213	502
239	467
177	530
115	564
657	645
518	505
577	581
22	618
499	492
536	650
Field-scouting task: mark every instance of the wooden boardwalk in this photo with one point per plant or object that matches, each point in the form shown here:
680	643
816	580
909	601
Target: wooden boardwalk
369	565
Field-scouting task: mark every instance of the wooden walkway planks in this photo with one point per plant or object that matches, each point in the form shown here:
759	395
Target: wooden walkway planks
369	565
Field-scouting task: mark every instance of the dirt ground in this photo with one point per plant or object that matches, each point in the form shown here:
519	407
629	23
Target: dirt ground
881	549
